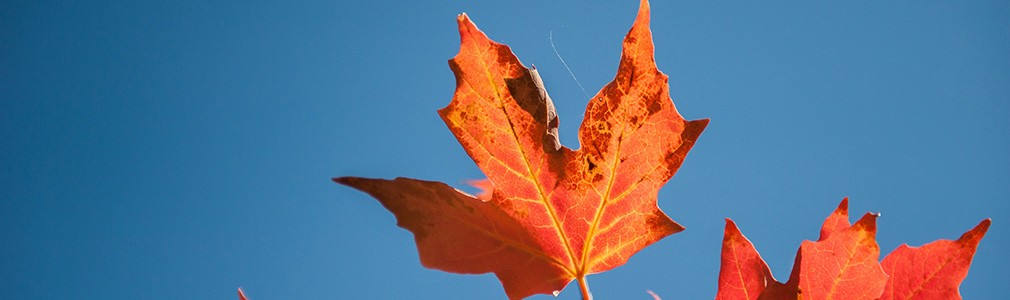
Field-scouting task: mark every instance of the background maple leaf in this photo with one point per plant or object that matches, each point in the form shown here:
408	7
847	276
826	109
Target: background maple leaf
151	146
843	264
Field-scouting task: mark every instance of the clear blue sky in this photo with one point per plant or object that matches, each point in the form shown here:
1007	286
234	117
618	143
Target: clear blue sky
181	150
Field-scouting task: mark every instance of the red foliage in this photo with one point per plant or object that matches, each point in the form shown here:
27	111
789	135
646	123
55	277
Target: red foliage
842	264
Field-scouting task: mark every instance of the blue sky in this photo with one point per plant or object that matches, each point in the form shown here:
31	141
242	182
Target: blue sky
181	150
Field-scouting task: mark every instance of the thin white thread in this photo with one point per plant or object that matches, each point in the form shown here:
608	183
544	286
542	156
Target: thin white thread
550	36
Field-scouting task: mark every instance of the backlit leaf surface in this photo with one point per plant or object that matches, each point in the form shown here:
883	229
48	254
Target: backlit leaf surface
743	274
933	271
553	214
842	264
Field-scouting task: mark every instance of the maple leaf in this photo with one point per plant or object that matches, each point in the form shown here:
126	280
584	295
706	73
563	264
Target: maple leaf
842	264
933	271
743	274
241	295
553	214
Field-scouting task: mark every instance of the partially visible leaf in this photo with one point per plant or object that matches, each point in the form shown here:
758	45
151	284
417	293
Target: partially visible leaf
933	271
458	233
241	295
743	274
486	188
844	265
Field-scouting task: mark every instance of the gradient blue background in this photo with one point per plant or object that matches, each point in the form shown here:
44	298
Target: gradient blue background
167	150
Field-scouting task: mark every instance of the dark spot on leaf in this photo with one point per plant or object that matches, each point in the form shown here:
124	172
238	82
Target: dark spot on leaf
654	107
504	54
528	91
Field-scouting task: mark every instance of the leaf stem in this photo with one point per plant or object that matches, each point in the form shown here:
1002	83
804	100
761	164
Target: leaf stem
584	288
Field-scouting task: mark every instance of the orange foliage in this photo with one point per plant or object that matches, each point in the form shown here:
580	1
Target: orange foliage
553	214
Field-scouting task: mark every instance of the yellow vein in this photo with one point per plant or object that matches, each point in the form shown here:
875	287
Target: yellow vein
604	199
534	178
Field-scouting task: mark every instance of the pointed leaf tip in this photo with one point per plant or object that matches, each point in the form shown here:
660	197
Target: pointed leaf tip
731	228
469	31
348	180
743	274
982	227
467	28
868	222
836	221
643	13
974	236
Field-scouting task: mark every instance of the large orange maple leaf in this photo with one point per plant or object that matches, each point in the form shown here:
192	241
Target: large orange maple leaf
553	214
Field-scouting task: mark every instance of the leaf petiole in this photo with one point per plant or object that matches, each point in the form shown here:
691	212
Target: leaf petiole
584	288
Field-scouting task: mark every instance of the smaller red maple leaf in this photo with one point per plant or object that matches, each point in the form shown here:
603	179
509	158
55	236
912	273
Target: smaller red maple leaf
842	264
